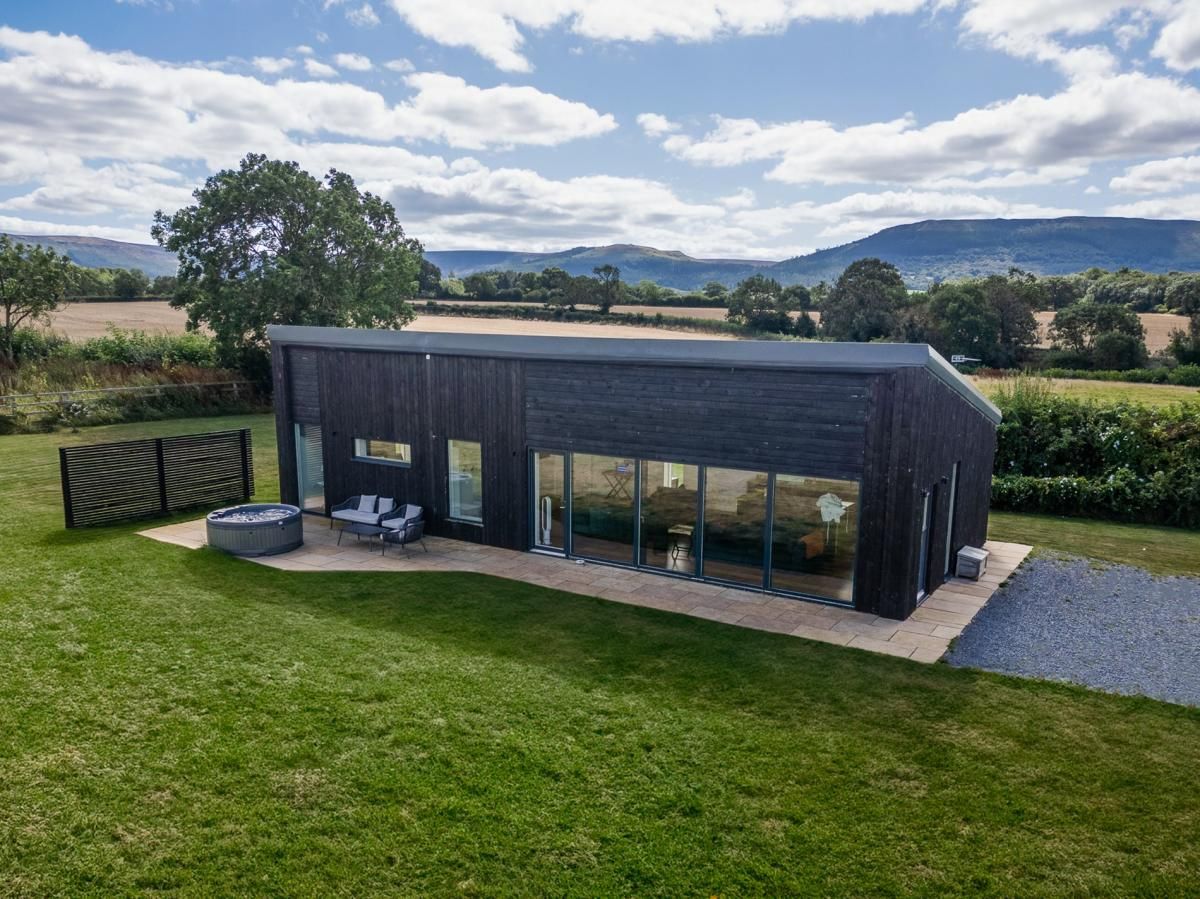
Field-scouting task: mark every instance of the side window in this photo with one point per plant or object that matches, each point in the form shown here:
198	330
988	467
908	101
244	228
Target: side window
466	480
384	452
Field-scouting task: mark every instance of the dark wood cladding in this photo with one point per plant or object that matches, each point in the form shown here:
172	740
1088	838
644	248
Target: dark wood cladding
103	483
931	428
897	431
785	421
305	393
407	398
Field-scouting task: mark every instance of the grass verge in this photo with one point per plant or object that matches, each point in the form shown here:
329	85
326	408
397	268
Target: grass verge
181	720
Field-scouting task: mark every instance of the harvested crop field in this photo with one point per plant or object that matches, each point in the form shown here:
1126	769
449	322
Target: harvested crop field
82	320
1158	327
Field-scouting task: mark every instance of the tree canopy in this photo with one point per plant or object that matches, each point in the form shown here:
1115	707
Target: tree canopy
268	243
865	302
33	281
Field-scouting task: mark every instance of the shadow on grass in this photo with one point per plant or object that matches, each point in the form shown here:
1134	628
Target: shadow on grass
607	645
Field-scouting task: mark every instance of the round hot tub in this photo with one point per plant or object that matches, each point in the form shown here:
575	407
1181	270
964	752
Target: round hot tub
257	529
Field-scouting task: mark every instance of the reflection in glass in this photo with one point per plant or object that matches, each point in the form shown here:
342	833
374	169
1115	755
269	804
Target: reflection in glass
735	511
548	500
669	501
310	467
466	480
814	537
602	509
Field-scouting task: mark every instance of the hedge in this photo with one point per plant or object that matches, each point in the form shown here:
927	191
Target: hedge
1120	461
1183	375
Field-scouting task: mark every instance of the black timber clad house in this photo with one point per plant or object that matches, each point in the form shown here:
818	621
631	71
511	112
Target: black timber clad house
842	473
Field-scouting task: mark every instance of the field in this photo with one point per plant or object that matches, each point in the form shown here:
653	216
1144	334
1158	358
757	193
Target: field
1107	391
82	320
175	720
1158	327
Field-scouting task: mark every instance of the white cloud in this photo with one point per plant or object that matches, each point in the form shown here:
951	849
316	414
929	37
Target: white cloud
655	125
1159	176
304	50
494	29
1178	44
272	65
860	214
355	62
1126	115
1092	190
399	65
363	16
318	69
36	227
1186	206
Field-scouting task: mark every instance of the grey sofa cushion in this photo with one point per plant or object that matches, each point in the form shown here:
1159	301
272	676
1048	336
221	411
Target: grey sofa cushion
355	515
366	503
386	504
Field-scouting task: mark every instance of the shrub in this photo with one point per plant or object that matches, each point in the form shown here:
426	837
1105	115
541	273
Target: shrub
1122	461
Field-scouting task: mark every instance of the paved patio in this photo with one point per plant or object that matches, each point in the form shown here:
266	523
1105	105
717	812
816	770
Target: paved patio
924	637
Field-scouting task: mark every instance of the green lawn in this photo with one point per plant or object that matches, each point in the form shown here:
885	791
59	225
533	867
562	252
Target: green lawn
1160	550
1108	391
183	721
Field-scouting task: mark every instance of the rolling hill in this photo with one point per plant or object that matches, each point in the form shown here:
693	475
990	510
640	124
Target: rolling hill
923	251
98	252
667	267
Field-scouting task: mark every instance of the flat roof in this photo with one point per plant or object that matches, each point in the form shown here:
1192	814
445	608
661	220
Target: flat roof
807	355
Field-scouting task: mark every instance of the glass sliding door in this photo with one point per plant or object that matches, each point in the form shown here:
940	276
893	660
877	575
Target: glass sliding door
735	517
310	468
949	560
668	516
814	536
603	491
549	500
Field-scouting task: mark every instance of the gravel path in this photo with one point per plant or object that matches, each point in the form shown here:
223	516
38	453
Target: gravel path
1111	627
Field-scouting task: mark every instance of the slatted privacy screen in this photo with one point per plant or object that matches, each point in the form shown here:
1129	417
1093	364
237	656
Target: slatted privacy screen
104	483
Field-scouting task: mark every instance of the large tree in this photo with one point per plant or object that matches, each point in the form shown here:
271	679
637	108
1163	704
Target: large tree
610	286
760	302
130	283
960	320
865	303
1013	298
268	243
33	281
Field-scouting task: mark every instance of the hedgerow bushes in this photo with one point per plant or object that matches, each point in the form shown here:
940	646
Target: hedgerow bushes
1123	461
1183	375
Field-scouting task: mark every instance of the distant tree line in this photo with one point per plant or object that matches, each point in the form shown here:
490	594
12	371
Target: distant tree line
120	283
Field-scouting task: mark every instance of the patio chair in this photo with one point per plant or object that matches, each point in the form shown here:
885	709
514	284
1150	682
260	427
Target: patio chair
364	509
408	527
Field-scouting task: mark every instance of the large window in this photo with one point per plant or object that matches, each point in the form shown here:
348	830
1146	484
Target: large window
814	536
602	508
669	504
385	452
735	517
703	521
466	480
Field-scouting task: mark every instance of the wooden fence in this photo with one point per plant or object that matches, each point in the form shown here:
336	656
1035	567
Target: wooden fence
103	483
36	404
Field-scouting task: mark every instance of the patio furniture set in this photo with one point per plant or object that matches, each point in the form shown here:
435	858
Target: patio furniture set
380	516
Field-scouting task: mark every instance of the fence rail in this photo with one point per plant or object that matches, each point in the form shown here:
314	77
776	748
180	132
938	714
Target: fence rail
103	483
52	401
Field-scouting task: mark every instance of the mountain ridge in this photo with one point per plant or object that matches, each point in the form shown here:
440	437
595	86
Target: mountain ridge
924	252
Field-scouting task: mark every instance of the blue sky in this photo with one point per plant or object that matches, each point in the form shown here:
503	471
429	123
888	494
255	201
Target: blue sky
758	128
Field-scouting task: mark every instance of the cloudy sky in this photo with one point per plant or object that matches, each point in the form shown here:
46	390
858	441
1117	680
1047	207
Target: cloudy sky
749	128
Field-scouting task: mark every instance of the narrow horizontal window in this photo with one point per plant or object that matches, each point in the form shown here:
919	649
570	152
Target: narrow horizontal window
385	451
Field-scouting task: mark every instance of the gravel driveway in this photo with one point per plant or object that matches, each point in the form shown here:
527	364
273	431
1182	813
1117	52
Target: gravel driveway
1111	627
